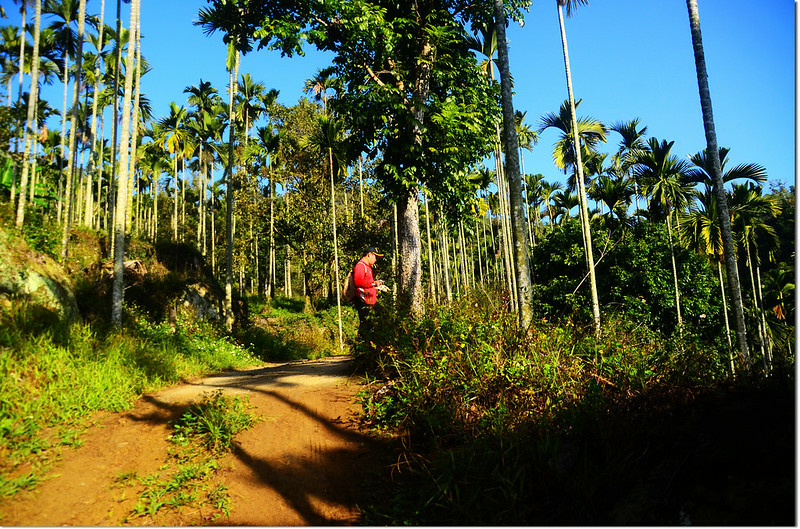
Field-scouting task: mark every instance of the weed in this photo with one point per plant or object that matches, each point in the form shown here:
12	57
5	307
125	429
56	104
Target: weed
10	486
214	422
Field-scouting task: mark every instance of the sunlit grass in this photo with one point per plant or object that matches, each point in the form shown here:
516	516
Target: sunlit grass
53	380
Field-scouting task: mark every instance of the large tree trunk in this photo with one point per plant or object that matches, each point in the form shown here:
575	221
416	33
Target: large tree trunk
716	174
512	171
410	267
33	98
410	243
581	186
122	184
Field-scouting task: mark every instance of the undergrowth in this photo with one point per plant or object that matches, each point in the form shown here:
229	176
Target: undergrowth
288	331
502	427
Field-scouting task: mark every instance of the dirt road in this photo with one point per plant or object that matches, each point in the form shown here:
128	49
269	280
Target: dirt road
304	464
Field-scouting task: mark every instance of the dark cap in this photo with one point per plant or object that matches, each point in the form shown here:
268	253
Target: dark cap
372	249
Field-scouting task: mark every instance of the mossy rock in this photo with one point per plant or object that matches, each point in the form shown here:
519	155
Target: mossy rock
27	276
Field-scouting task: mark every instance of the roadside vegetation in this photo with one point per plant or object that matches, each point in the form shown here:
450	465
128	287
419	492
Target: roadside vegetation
55	374
558	426
203	433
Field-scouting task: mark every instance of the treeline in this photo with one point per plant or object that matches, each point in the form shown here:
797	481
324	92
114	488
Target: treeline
404	144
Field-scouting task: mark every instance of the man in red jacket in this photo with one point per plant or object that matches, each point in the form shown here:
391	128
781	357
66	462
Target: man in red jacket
367	299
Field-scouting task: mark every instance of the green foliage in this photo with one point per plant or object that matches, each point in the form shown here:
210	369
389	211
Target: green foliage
634	276
282	329
39	231
214	422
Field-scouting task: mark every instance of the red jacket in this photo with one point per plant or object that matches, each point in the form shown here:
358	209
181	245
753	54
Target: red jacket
362	276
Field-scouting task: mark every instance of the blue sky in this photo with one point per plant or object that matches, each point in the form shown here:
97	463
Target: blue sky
629	59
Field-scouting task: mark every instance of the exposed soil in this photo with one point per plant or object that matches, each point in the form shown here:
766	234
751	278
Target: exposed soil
304	464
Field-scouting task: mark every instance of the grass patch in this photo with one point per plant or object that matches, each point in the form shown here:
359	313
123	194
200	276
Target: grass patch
53	380
204	433
281	330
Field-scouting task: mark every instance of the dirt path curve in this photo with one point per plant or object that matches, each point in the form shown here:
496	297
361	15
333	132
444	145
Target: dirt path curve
304	464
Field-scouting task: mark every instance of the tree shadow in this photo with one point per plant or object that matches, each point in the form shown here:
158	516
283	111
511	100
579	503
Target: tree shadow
308	479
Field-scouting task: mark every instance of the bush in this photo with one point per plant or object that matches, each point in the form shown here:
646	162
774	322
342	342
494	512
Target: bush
496	421
634	279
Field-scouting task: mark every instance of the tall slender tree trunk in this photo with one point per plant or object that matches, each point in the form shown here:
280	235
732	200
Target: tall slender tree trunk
271	264
527	190
584	211
478	250
89	207
234	69
73	133
505	226
23	26
443	244
756	308
20	78
395	249
30	138
675	276
134	123
155	207
175	198
431	271
767	338
361	186
112	179
716	174
62	143
725	309
122	185
336	253
521	258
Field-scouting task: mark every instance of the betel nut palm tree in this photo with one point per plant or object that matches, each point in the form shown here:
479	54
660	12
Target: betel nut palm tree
175	138
630	145
512	169
716	174
124	171
326	139
665	179
584	209
228	16
33	97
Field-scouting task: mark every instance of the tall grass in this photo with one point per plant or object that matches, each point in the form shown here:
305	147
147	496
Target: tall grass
507	427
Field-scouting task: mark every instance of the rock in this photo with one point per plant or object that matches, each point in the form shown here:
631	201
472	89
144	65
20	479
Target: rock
199	299
37	279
